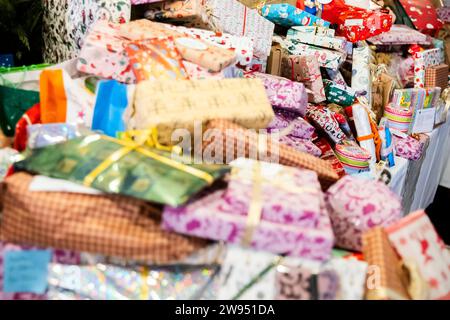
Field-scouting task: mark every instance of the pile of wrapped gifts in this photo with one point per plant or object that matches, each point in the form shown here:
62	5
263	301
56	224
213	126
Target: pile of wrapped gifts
222	149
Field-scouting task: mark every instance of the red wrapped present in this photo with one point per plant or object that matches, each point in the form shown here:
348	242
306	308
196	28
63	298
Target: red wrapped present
423	15
32	116
329	11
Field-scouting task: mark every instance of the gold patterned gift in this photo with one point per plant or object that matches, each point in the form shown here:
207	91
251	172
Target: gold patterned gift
178	104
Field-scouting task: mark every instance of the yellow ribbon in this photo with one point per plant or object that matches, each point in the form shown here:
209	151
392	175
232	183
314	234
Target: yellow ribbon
129	146
144	292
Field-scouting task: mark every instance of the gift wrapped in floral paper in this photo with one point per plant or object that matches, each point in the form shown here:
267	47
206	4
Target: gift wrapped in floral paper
361	73
195	72
110	282
287	15
342	119
398	35
245	213
122	167
171	104
110	225
337	77
324	119
222	16
302	145
416	240
291	124
320	41
57	255
407	147
283	93
304	69
357	205
339	94
325	57
423	60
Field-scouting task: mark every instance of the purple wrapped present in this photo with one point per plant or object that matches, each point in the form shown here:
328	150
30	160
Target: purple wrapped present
288	123
409	148
284	214
356	205
59	256
283	93
302	145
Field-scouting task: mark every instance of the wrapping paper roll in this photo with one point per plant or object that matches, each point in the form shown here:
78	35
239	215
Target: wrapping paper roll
364	131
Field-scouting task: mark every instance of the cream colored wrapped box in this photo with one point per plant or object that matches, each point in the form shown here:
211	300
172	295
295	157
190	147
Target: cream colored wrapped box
173	104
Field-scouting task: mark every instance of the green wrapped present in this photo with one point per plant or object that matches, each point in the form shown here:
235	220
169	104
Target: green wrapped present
123	167
339	94
13	104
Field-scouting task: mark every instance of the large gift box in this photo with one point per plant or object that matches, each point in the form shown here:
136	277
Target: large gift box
254	211
171	104
111	225
231	141
416	240
387	279
304	68
357	205
227	16
122	167
423	15
325	57
288	15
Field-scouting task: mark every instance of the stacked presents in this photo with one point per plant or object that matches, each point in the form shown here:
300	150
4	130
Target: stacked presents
220	149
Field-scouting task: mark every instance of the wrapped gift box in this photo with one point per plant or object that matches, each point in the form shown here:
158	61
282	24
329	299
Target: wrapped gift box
423	15
444	14
416	240
297	31
274	61
301	145
357	205
407	147
249	146
304	68
287	15
227	16
326	58
339	94
283	93
291	124
320	41
398	35
425	59
324	119
437	76
89	223
256	4
173	104
329	156
214	217
391	279
361	74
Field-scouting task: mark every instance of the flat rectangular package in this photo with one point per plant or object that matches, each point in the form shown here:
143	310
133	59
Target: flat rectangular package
337	44
171	104
315	30
228	16
325	57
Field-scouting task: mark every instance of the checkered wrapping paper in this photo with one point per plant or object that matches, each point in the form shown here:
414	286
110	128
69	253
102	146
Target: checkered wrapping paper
436	76
287	156
110	225
378	252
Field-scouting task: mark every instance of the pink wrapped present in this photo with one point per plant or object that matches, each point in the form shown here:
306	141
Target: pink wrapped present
302	145
103	54
444	14
59	256
357	205
400	34
288	123
283	93
194	71
415	239
407	147
275	219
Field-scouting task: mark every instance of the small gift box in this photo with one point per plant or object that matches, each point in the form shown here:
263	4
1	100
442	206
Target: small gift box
390	281
320	41
353	158
287	15
172	104
399	35
228	133
82	160
437	76
226	16
326	58
407	147
283	93
422	61
304	69
416	240
302	145
358	24
324	119
357	205
361	74
253	220
315	30
339	94
291	124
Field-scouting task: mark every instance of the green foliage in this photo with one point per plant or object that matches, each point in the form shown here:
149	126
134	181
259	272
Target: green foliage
20	30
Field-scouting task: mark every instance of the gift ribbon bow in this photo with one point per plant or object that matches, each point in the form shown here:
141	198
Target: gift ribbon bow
129	146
